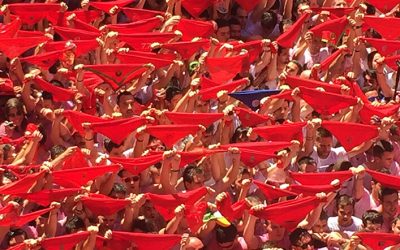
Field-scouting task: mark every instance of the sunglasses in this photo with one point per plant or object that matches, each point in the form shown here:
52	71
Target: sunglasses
132	179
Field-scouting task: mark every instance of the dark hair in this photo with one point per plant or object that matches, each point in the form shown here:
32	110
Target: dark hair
56	151
385	191
222	23
14	233
269	19
172	91
239	133
372	216
225	234
370	58
381	147
234	21
395	220
297	234
110	145
283	23
344	200
306	160
118	188
121	94
323	133
74	224
189	172
143	224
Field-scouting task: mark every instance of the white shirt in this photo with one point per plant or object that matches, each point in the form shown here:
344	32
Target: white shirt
333	225
336	155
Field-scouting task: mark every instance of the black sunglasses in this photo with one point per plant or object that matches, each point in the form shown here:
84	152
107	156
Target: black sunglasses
132	178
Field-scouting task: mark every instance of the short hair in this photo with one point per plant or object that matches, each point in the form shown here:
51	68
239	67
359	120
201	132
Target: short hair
123	93
14	233
296	235
299	67
234	21
323	215
56	151
225	234
283	23
222	23
385	191
372	216
396	219
344	200
172	91
74	223
189	172
143	224
306	160
323	133
381	147
118	188
110	145
269	19
47	96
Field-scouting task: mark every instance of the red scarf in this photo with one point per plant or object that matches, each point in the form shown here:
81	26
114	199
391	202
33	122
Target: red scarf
171	134
320	178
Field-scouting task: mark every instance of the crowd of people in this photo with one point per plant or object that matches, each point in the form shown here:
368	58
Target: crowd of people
200	124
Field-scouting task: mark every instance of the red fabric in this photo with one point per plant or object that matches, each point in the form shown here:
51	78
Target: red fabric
25	33
294	81
14	47
250	158
229	210
86	15
125	127
24	219
7	209
171	134
76	119
351	135
207	83
166	204
205	119
194	215
6	87
336	26
108	205
391	61
284	132
369	111
254	48
195	7
142	41
249	118
193	28
14	142
192	156
324	66
378	241
332	102
164	56
46	197
384	47
311	190
248	5
21	186
75	34
283	214
77	177
186	49
106	6
266	147
82	25
286	95
211	93
223	69
65	241
143	241
339	12
134	58
142	26
59	94
117	74
31	13
139	14
137	165
386	180
384	6
77	159
320	178
272	192
44	60
21	246
288	38
384	26
10	30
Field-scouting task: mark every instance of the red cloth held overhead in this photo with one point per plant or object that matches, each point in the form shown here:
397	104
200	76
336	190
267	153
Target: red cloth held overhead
320	178
31	13
223	69
23	185
284	132
6	87
194	28
125	127
351	135
295	81
103	205
142	41
44	60
186	49
211	93
324	66
248	5
166	204
384	26
255	49
338	12
77	177
107	6
229	210
250	158
285	95
14	47
378	241
386	180
391	61
46	197
135	14
142	26
86	15
336	26
266	147
384	6
369	110
171	134
117	74
76	160
272	192
311	190
59	94
10	30
205	119
384	47
82	25
82	46
128	58
143	241
75	34
207	83
65	241
76	119
26	33
191	156
24	219
249	118
288	38
195	7
139	164
331	103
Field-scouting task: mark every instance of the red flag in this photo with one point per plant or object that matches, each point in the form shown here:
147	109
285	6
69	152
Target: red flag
186	49
249	118
248	5
211	93
108	205
75	34
31	13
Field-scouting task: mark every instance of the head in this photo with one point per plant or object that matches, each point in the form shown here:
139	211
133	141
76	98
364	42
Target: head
269	19
389	199
275	231
112	148
323	142
223	32
143	225
14	111
396	225
56	151
283	55
172	96
118	191
301	239
74	224
15	237
339	4
226	236
130	181
193	177
383	153
125	102
293	68
321	226
372	221
194	243
307	165
235	29
345	210
282	112
240	14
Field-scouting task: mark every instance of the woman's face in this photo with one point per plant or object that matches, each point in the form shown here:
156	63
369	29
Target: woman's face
15	116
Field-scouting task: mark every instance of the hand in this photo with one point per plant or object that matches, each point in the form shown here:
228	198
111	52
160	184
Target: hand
221	197
180	211
93	229
55	206
295	94
235	153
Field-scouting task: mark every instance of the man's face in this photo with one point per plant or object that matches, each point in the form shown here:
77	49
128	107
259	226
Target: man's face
282	112
320	227
291	69
126	108
283	57
305	242
131	182
386	160
324	145
308	168
198	182
396	227
372	227
344	215
235	31
390	205
275	232
223	34
242	15
340	4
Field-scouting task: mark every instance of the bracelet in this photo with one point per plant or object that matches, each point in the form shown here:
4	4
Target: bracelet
356	51
309	138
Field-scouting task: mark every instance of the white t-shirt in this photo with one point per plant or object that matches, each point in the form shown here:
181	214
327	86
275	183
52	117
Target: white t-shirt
333	225
336	155
365	203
